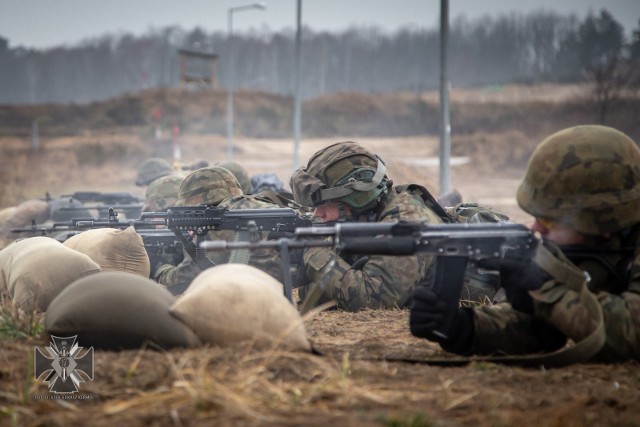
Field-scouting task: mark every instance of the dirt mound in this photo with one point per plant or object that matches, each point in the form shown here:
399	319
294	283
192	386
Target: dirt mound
533	110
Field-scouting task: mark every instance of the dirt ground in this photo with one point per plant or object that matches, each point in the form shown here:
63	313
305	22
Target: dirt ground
369	370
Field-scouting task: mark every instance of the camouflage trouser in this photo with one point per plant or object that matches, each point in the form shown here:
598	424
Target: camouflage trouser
375	282
560	314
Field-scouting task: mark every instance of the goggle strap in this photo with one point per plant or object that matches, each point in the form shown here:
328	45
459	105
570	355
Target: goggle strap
350	187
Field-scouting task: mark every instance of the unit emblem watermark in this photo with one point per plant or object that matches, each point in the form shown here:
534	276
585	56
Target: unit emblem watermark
62	366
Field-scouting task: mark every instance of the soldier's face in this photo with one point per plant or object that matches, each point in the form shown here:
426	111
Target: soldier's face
331	211
557	233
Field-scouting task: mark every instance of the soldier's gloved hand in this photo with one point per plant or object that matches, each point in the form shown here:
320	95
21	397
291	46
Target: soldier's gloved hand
427	314
518	277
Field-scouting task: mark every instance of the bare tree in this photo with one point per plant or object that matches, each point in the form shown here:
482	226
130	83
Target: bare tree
602	42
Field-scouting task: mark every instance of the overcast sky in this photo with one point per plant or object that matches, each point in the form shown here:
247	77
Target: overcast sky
47	23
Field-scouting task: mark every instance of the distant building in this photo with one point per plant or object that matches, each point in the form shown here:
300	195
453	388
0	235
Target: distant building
198	67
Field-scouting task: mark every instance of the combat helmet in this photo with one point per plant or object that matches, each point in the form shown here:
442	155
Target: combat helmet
587	177
240	173
267	181
162	193
344	171
208	186
152	169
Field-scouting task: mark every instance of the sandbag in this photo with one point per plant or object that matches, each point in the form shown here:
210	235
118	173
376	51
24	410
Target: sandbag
5	213
33	210
231	303
240	273
113	249
35	270
118	310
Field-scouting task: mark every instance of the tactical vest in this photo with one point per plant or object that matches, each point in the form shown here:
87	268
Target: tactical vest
462	212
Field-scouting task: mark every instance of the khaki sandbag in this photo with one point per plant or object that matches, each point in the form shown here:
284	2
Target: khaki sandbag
230	303
33	210
5	232
35	270
117	310
113	249
240	273
6	213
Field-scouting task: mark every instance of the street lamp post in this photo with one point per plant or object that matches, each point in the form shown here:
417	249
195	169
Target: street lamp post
445	121
297	101
260	6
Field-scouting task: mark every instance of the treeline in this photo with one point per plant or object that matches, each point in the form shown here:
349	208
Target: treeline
517	48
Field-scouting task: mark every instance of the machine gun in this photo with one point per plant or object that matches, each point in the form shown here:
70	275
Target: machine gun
202	219
251	223
453	245
105	198
180	220
127	203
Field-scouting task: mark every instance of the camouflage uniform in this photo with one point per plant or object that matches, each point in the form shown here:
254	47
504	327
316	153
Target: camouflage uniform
240	173
587	177
162	193
152	169
358	178
216	186
266	182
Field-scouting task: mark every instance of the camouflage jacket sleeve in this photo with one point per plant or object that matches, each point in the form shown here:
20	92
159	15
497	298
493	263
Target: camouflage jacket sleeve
499	329
562	307
559	310
169	275
374	281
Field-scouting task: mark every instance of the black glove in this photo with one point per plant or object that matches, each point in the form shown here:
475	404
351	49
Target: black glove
517	277
427	314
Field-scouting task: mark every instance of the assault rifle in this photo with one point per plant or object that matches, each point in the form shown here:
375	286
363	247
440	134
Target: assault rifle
453	245
130	210
78	224
158	240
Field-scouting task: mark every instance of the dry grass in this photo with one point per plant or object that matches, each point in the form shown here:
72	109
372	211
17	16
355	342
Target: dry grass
367	373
